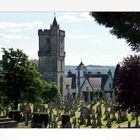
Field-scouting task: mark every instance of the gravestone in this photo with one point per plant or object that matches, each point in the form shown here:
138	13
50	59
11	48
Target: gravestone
27	114
129	124
133	116
65	120
137	123
99	122
106	109
82	119
107	98
54	118
94	124
108	124
124	116
88	121
113	118
85	111
59	117
55	124
74	122
90	109
93	117
107	115
68	125
72	113
78	125
119	117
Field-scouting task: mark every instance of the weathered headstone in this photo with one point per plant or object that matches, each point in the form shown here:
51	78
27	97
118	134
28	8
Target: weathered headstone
59	117
119	117
133	116
137	123
27	114
85	111
93	117
108	123
68	125
113	118
74	122
88	121
78	125
124	116
129	124
107	115
55	124
99	122
94	124
82	119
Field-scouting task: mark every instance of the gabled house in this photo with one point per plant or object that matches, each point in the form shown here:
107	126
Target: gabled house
85	83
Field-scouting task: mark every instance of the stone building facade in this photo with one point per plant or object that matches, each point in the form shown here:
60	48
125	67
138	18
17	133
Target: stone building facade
52	54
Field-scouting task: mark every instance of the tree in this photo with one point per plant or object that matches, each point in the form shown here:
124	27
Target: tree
50	93
123	24
20	80
128	85
115	79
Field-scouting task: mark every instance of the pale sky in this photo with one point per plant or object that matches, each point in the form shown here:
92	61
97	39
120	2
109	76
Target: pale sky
85	40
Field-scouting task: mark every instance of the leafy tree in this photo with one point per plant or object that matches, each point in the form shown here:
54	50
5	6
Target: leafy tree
50	93
115	79
20	80
123	24
128	85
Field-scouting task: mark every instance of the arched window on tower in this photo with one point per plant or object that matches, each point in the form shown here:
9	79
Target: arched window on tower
48	45
61	66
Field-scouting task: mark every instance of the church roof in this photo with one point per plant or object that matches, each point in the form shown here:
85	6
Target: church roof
104	78
81	66
95	83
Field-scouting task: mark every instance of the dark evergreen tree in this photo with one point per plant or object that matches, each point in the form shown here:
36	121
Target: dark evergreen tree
115	79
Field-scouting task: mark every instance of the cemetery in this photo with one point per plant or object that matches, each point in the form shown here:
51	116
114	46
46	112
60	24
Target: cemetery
70	112
38	94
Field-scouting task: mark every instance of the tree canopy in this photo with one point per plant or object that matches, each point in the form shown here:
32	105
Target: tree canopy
128	84
123	24
50	92
20	79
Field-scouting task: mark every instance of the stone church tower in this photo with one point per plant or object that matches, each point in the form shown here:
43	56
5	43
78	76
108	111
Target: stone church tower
52	55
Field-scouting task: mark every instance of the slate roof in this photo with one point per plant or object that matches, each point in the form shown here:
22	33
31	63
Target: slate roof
104	78
95	83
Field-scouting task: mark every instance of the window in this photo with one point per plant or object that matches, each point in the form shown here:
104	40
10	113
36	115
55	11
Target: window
48	45
67	86
110	85
61	66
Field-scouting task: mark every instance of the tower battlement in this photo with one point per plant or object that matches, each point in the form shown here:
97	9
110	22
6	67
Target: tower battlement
43	32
